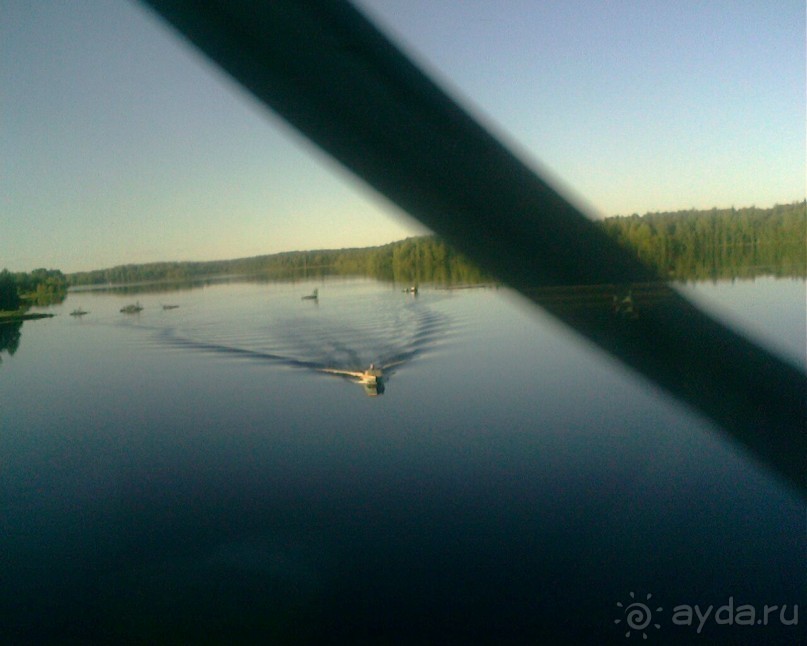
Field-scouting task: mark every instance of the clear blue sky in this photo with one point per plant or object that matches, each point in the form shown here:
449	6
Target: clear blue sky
119	144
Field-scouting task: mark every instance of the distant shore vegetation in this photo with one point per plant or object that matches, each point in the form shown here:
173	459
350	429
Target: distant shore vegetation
681	245
719	243
418	259
20	290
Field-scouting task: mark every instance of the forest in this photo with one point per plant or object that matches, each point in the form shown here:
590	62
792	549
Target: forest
681	245
418	259
39	287
719	243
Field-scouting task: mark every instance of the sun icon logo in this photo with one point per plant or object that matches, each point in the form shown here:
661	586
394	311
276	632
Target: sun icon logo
637	615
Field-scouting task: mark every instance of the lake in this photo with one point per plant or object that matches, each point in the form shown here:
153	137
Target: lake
192	475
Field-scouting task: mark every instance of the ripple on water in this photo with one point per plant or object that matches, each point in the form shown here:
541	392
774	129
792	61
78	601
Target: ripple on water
344	333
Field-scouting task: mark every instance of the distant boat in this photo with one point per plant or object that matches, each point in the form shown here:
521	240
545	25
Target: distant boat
312	297
78	312
132	309
411	290
170	307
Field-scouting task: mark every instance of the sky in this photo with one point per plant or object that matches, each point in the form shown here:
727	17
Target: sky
120	144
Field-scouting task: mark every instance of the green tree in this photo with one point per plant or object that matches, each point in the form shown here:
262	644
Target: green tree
9	294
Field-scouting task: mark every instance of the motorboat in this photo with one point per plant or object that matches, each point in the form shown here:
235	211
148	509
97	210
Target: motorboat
370	376
372	379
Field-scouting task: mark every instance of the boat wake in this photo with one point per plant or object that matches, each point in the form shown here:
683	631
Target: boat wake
343	344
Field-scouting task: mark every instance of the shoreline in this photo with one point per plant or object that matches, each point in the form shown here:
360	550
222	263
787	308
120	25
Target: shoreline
17	316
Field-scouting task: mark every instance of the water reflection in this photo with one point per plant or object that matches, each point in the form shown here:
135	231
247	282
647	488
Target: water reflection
10	338
748	391
235	483
156	287
213	278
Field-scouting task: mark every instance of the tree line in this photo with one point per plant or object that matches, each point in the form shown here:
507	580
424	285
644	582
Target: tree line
719	243
39	287
682	245
417	259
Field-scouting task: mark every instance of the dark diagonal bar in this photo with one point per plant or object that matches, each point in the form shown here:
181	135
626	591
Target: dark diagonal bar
331	74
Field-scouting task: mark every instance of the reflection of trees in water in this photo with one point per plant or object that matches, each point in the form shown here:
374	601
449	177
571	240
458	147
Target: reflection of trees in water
153	288
166	286
10	337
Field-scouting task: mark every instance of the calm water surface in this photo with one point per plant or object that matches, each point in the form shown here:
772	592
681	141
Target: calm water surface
191	474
